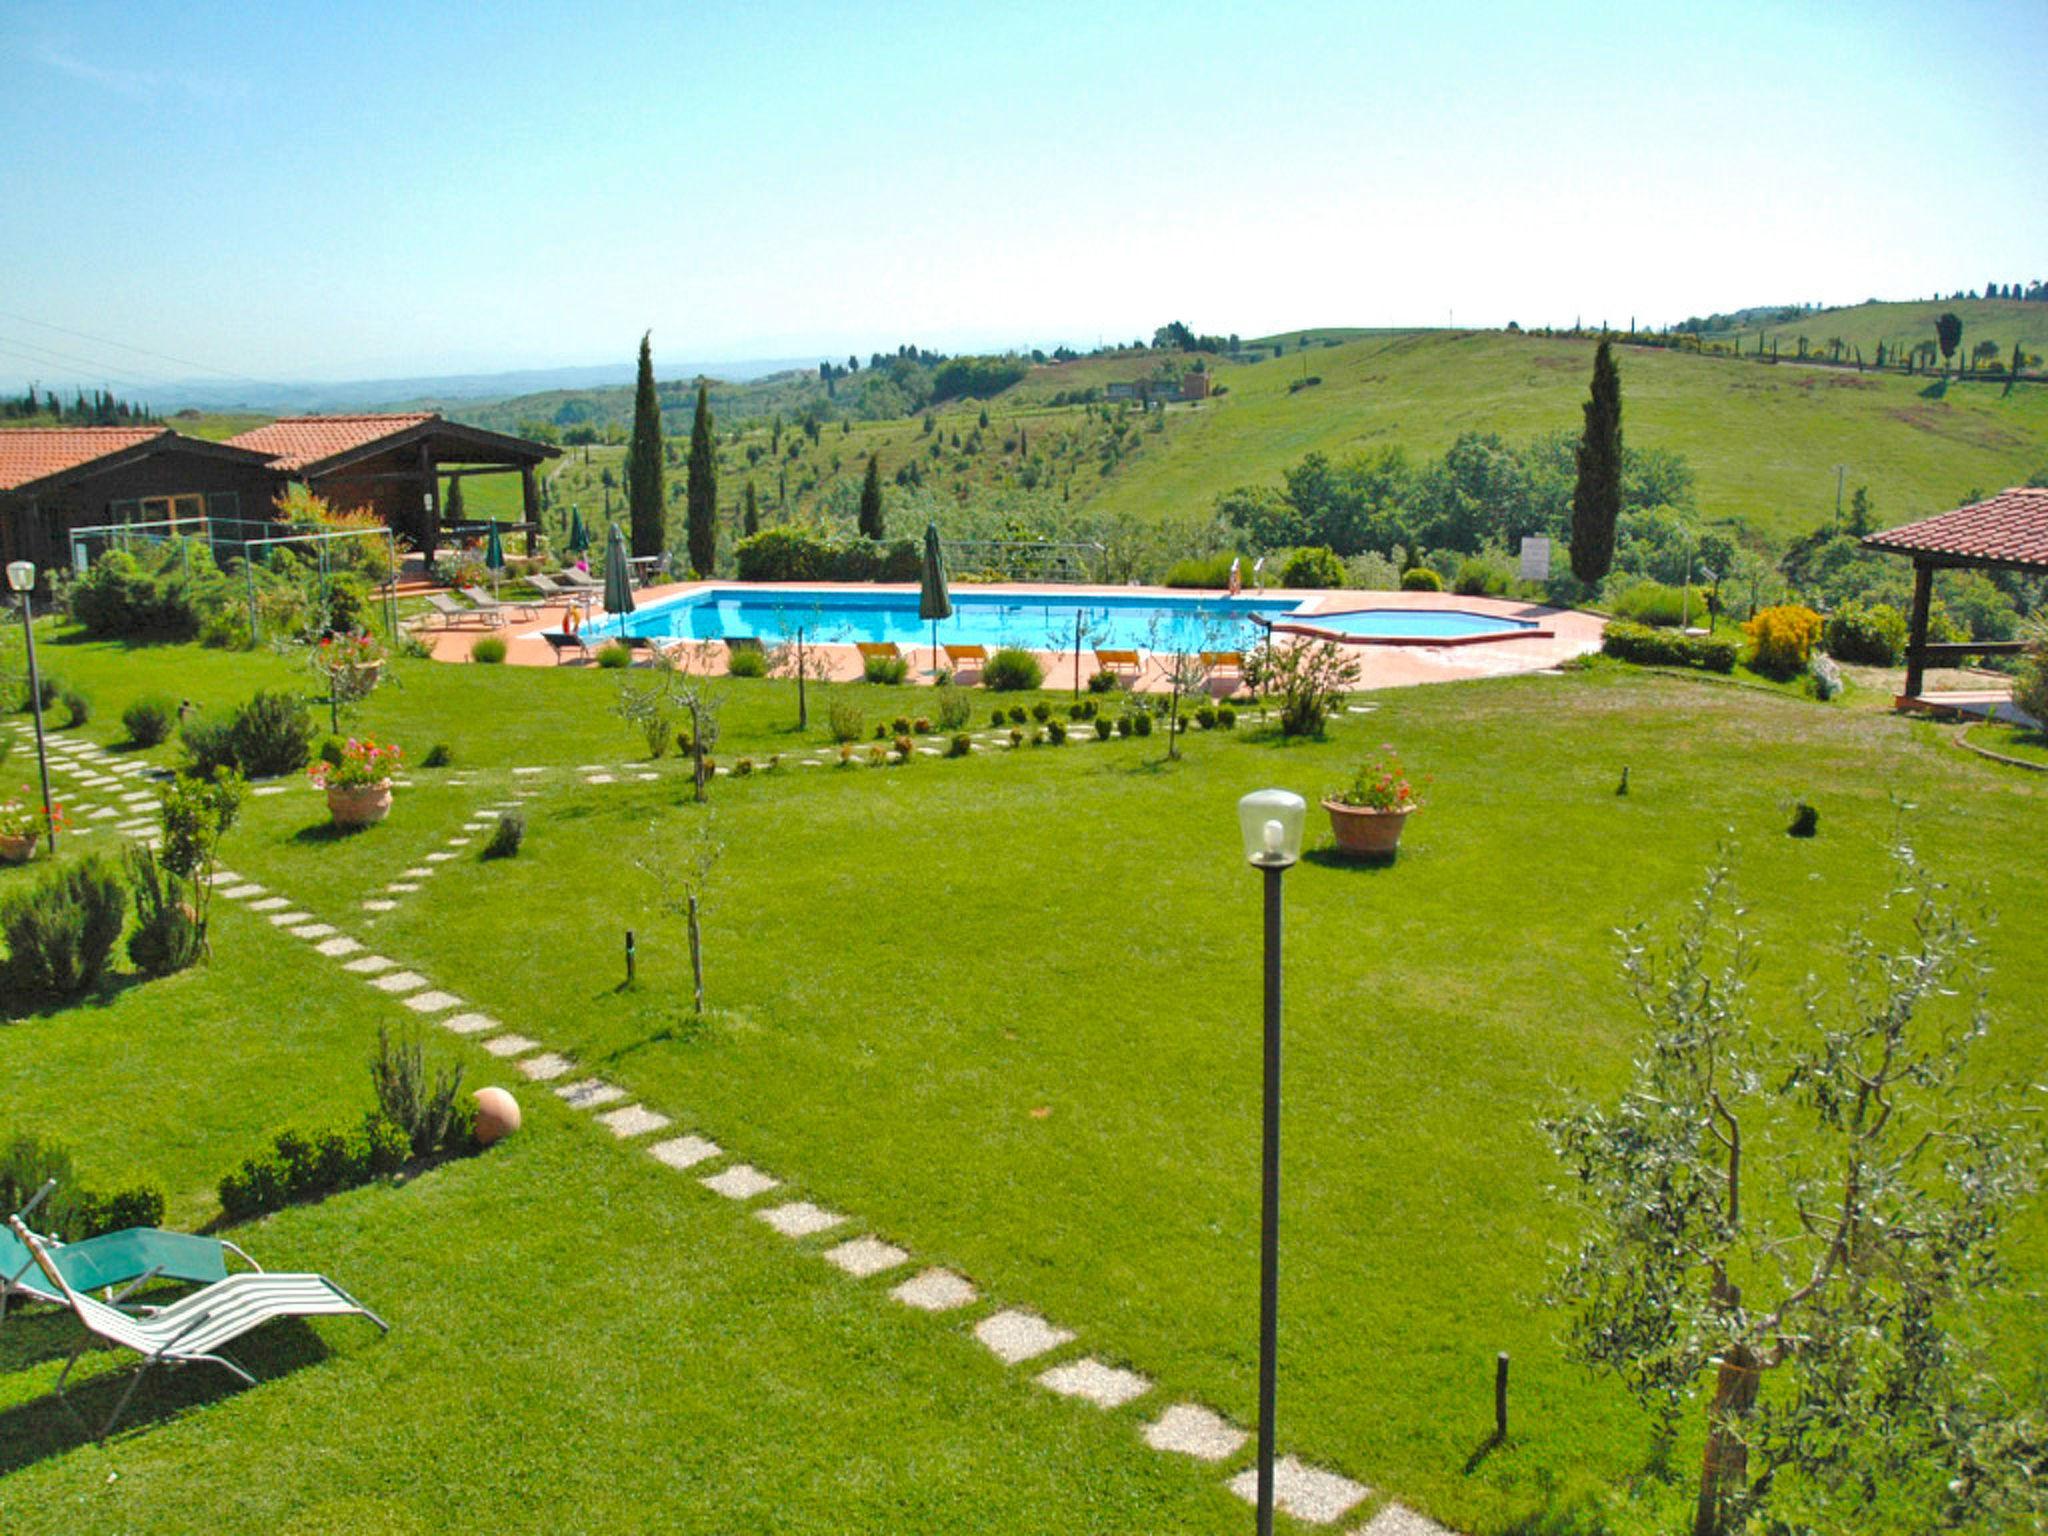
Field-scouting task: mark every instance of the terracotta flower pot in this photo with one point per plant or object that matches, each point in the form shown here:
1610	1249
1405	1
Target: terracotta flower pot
361	806
1364	833
18	850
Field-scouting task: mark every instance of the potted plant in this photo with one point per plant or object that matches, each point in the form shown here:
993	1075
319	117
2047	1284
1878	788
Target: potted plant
359	786
1369	813
21	827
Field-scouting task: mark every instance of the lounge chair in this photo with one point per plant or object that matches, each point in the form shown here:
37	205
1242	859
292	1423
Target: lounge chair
115	1262
870	650
565	645
485	603
960	656
1224	661
194	1329
451	613
1116	661
582	581
553	590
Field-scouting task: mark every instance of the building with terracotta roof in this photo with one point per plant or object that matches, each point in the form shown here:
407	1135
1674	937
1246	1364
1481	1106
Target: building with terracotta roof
2008	532
392	464
56	479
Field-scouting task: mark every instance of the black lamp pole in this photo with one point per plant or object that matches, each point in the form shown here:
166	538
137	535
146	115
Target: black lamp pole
35	693
1269	1204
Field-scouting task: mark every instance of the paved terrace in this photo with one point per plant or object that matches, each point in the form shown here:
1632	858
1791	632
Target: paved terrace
1383	666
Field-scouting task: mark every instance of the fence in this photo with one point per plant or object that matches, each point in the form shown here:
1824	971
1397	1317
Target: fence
1028	559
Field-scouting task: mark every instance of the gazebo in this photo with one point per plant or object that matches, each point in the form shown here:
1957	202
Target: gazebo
2007	533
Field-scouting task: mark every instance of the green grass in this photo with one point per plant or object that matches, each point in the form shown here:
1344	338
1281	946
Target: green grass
1004	1011
2004	321
2018	741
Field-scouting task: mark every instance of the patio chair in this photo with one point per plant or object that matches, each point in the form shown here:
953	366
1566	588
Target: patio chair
872	649
962	656
450	612
514	605
117	1263
1116	661
565	645
193	1330
581	580
1224	661
553	590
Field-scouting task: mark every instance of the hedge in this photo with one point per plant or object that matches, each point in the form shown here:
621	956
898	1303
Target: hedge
785	554
1668	648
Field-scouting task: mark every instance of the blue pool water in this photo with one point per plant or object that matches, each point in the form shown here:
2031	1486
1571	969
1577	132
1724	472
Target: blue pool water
1141	621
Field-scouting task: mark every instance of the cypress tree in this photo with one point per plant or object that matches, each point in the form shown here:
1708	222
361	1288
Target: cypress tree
451	506
1596	500
871	502
703	489
751	519
643	461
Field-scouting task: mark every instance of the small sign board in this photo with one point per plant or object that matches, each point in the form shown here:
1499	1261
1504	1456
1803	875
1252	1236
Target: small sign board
1535	559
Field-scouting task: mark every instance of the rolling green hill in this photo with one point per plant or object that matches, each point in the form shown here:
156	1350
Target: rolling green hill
2004	321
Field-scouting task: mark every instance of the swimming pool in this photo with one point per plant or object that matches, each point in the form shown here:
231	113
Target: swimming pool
1138	621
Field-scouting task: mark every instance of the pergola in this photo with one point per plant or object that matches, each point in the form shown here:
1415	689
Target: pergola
2007	533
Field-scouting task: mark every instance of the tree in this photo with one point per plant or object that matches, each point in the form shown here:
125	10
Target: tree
1985	351
750	518
1822	1207
702	498
1948	330
451	505
680	872
871	526
1596	501
643	460
2012	371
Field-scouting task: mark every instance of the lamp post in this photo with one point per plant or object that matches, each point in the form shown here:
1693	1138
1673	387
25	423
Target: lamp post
1271	823
21	578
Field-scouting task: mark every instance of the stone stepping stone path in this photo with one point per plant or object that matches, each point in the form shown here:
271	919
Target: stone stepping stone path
743	1181
470	1023
432	1001
546	1067
633	1120
510	1045
1400	1520
591	1093
1305	1492
799	1218
935	1290
680	1152
338	946
380	904
287	919
315	931
400	981
369	965
1192	1430
1014	1337
1106	1386
865	1256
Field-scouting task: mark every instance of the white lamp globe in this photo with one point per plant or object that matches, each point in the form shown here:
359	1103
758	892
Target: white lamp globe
1271	821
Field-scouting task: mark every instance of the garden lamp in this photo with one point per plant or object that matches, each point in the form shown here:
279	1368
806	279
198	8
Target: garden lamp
21	579
1270	821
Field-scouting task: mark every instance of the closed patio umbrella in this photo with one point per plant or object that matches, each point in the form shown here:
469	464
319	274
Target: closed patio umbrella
494	556
618	578
579	536
934	602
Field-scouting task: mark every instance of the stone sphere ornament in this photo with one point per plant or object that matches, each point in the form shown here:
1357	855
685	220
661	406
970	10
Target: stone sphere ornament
497	1115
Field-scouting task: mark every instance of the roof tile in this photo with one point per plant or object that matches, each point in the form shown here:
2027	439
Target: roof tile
2011	528
28	454
293	442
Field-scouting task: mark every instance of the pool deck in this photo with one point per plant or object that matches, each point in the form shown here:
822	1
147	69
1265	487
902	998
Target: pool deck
1567	634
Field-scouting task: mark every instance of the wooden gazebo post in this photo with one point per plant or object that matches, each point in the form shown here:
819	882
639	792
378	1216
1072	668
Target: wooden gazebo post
530	499
1916	636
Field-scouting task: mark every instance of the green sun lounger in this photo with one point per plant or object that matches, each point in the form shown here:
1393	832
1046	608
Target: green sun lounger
115	1260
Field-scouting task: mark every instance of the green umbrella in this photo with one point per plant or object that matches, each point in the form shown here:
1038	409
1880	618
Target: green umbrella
579	538
618	580
934	602
494	555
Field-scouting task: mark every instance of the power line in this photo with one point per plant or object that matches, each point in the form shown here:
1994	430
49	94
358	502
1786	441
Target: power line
125	346
43	357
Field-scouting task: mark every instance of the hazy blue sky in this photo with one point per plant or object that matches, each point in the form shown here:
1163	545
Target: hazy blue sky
336	190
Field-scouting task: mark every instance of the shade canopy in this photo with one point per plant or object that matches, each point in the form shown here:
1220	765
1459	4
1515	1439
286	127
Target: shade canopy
494	549
618	582
579	536
933	600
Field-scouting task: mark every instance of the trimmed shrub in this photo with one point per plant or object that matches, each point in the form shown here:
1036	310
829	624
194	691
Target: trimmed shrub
1784	638
1041	711
1104	681
1312	566
996	717
48	685
905	748
747	661
77	706
150	720
1874	636
1104	728
439	755
333	749
507	836
1481	576
614	654
1012	670
1205	716
1017	715
1655	603
900	726
1142	724
955	709
785	554
960	746
271	734
1226	717
921	726
845	720
2030	687
1211	571
1649	647
61	932
488	649
1421	579
1123	725
884	669
167	934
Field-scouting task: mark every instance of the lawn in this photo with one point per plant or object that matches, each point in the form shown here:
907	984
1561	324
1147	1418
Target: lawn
1002	1012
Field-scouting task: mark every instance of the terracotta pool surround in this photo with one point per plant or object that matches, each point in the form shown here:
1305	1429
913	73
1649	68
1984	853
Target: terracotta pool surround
1390	663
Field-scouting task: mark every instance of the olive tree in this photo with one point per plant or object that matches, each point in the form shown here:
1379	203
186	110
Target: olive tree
1796	1227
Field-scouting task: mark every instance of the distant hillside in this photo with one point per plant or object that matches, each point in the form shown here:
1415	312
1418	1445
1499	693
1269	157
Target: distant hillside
2004	321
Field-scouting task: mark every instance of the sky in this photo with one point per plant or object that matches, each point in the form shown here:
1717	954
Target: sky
331	190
